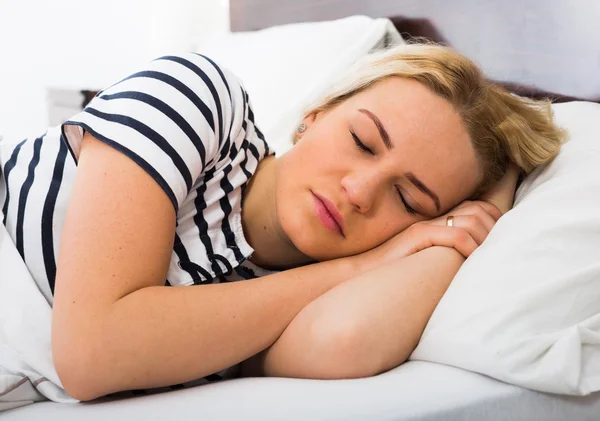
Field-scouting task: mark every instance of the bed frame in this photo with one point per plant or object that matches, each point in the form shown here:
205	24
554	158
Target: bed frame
539	49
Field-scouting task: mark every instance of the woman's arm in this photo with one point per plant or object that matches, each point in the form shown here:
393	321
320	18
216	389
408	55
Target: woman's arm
365	326
372	323
117	327
502	195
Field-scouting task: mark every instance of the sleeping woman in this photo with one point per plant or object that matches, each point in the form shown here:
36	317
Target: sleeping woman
174	246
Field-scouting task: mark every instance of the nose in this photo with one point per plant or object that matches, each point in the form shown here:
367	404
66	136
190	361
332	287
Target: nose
361	188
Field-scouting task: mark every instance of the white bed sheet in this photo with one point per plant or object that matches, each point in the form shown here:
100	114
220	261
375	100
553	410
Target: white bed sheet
417	390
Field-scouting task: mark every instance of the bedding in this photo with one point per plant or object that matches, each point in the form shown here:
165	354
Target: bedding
415	391
27	373
525	307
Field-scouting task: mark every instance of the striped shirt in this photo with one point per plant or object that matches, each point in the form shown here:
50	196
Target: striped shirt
189	124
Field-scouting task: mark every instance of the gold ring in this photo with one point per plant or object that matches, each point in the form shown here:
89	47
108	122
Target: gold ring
450	221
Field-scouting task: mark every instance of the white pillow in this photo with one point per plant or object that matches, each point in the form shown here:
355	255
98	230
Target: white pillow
25	335
525	307
284	67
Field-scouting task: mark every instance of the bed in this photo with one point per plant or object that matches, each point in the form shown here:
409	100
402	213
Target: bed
415	391
537	51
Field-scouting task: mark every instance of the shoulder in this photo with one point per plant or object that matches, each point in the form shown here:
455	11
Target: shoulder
175	116
192	75
232	104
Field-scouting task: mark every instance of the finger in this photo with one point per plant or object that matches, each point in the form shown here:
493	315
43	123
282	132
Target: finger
457	238
487	220
475	209
490	209
473	225
484	216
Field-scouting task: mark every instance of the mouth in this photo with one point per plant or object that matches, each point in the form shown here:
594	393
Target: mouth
328	214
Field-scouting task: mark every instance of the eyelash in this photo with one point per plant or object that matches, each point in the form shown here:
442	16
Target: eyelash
408	208
361	145
363	148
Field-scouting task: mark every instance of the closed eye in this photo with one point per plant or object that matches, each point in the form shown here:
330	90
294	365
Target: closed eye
364	148
361	145
406	205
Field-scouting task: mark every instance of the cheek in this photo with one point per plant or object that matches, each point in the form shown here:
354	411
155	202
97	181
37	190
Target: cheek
327	139
380	229
384	230
311	163
291	189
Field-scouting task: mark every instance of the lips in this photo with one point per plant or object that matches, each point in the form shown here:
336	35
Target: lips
335	214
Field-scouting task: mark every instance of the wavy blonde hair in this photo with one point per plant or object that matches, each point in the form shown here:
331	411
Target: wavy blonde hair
502	126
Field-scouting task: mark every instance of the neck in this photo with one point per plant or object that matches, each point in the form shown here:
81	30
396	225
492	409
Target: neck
272	247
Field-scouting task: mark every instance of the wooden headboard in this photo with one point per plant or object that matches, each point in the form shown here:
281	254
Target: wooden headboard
537	48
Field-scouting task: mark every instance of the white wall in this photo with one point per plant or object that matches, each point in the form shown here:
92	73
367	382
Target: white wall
88	45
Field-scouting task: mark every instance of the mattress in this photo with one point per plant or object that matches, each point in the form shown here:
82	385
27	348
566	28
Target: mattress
417	390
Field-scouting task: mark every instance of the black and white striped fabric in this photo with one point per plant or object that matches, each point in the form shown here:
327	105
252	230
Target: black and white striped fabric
189	124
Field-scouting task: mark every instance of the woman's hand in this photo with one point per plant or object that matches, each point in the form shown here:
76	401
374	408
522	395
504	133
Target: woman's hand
503	193
471	223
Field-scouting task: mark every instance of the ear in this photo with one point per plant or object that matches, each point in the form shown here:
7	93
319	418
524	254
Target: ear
304	125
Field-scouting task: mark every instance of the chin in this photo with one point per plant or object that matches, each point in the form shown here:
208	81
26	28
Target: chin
306	236
302	228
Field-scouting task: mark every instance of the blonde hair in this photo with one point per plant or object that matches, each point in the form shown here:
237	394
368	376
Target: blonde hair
502	126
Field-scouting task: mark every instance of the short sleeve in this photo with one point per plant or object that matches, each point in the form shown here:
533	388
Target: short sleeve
172	118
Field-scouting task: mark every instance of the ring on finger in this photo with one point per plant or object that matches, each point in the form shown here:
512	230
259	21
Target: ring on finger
450	221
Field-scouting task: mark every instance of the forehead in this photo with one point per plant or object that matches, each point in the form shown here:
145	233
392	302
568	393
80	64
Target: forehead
429	136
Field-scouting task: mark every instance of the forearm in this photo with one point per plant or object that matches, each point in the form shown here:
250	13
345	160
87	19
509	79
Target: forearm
367	325
159	336
503	193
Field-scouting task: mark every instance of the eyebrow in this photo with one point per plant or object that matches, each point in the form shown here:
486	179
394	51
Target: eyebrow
419	184
384	135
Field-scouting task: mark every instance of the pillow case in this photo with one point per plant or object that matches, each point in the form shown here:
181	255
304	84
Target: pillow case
284	67
27	372
525	307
